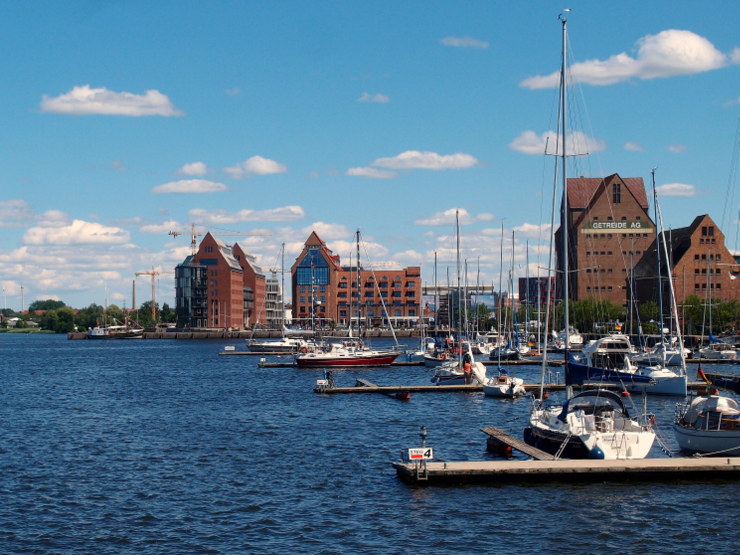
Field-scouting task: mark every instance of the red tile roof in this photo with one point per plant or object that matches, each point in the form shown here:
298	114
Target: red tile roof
581	190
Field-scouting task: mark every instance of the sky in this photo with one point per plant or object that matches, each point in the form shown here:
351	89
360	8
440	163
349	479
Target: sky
123	121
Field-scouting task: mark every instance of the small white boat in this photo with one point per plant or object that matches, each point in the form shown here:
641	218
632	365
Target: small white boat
283	345
710	425
504	386
666	355
460	370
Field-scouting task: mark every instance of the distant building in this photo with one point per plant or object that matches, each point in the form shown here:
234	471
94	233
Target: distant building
609	229
221	286
533	291
702	265
325	293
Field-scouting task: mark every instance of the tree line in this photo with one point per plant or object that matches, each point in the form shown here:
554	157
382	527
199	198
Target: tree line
56	316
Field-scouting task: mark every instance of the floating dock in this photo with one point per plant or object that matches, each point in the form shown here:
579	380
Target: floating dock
567	470
363	386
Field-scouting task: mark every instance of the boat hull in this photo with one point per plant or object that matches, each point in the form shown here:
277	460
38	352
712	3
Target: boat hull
724	443
311	360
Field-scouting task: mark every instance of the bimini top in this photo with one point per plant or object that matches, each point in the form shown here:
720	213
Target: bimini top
593	400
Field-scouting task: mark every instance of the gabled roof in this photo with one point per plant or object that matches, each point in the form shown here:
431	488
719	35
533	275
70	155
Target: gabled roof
582	190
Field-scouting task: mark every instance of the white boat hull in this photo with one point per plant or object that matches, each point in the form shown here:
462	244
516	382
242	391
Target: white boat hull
721	442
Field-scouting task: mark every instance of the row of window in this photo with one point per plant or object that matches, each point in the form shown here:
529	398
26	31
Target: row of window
711	257
609	235
609	218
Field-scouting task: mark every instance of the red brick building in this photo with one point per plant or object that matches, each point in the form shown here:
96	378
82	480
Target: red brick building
702	265
326	293
609	229
220	286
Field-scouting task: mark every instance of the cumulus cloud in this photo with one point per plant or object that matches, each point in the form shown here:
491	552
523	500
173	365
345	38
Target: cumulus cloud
448	218
371	172
79	232
53	218
676	148
634	147
217	217
676	190
15	213
193	168
85	100
327	232
463	42
256	165
667	54
578	143
189	186
377	98
532	231
164	227
413	159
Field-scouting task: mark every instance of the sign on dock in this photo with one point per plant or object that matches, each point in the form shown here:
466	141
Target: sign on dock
421	453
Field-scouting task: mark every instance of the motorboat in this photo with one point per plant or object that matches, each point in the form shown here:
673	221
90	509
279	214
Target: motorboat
709	425
504	385
282	345
664	354
718	351
593	424
115	332
461	369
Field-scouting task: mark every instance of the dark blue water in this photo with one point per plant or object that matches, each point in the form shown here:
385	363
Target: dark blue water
165	447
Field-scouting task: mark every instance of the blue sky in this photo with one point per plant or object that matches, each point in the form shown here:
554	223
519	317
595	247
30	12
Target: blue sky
262	121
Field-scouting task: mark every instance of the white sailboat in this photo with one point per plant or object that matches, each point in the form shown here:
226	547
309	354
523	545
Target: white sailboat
594	423
709	425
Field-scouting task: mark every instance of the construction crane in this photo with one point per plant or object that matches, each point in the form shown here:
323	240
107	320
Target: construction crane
154	273
194	235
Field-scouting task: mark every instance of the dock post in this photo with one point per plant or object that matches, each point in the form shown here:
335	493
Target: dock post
421	466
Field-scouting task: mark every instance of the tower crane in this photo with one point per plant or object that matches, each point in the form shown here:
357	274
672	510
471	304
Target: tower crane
154	273
194	235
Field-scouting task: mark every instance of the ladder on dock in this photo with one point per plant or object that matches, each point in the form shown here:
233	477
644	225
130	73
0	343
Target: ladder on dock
497	437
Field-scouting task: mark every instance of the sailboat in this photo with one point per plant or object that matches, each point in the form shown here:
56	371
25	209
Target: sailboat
350	352
710	425
504	385
286	343
595	423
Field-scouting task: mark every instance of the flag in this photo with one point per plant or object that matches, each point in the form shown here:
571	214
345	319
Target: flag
735	274
702	376
618	326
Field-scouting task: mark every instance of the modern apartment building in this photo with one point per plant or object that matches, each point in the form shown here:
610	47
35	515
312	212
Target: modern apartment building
325	293
221	286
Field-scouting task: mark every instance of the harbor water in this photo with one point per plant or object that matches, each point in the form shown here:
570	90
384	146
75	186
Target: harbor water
163	446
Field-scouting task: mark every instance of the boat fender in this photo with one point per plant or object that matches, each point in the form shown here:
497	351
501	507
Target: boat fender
443	356
625	393
303	349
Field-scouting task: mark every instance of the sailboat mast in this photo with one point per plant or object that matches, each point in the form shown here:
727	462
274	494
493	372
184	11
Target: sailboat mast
359	296
564	215
657	254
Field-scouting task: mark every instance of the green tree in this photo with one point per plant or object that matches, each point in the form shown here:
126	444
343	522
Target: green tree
48	304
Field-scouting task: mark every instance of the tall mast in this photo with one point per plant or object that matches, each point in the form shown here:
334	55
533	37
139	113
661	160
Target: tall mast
564	215
657	254
359	296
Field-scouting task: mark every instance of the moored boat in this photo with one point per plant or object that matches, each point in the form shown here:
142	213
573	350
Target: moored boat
709	425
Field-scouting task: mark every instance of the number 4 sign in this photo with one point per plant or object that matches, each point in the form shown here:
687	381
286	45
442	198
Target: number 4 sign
421	454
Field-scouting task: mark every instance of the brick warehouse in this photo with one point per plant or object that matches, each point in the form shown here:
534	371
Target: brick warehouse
702	265
325	292
609	229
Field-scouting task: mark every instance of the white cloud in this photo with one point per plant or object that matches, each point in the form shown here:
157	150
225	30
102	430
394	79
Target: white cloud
214	217
667	54
193	168
84	100
371	172
634	147
676	190
376	98
676	148
53	218
578	143
234	91
327	232
188	186
256	165
533	231
413	159
164	227
464	42
78	232
15	213
448	218
732	102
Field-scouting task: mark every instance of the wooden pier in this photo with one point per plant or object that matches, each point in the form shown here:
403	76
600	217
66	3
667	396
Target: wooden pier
501	442
567	470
